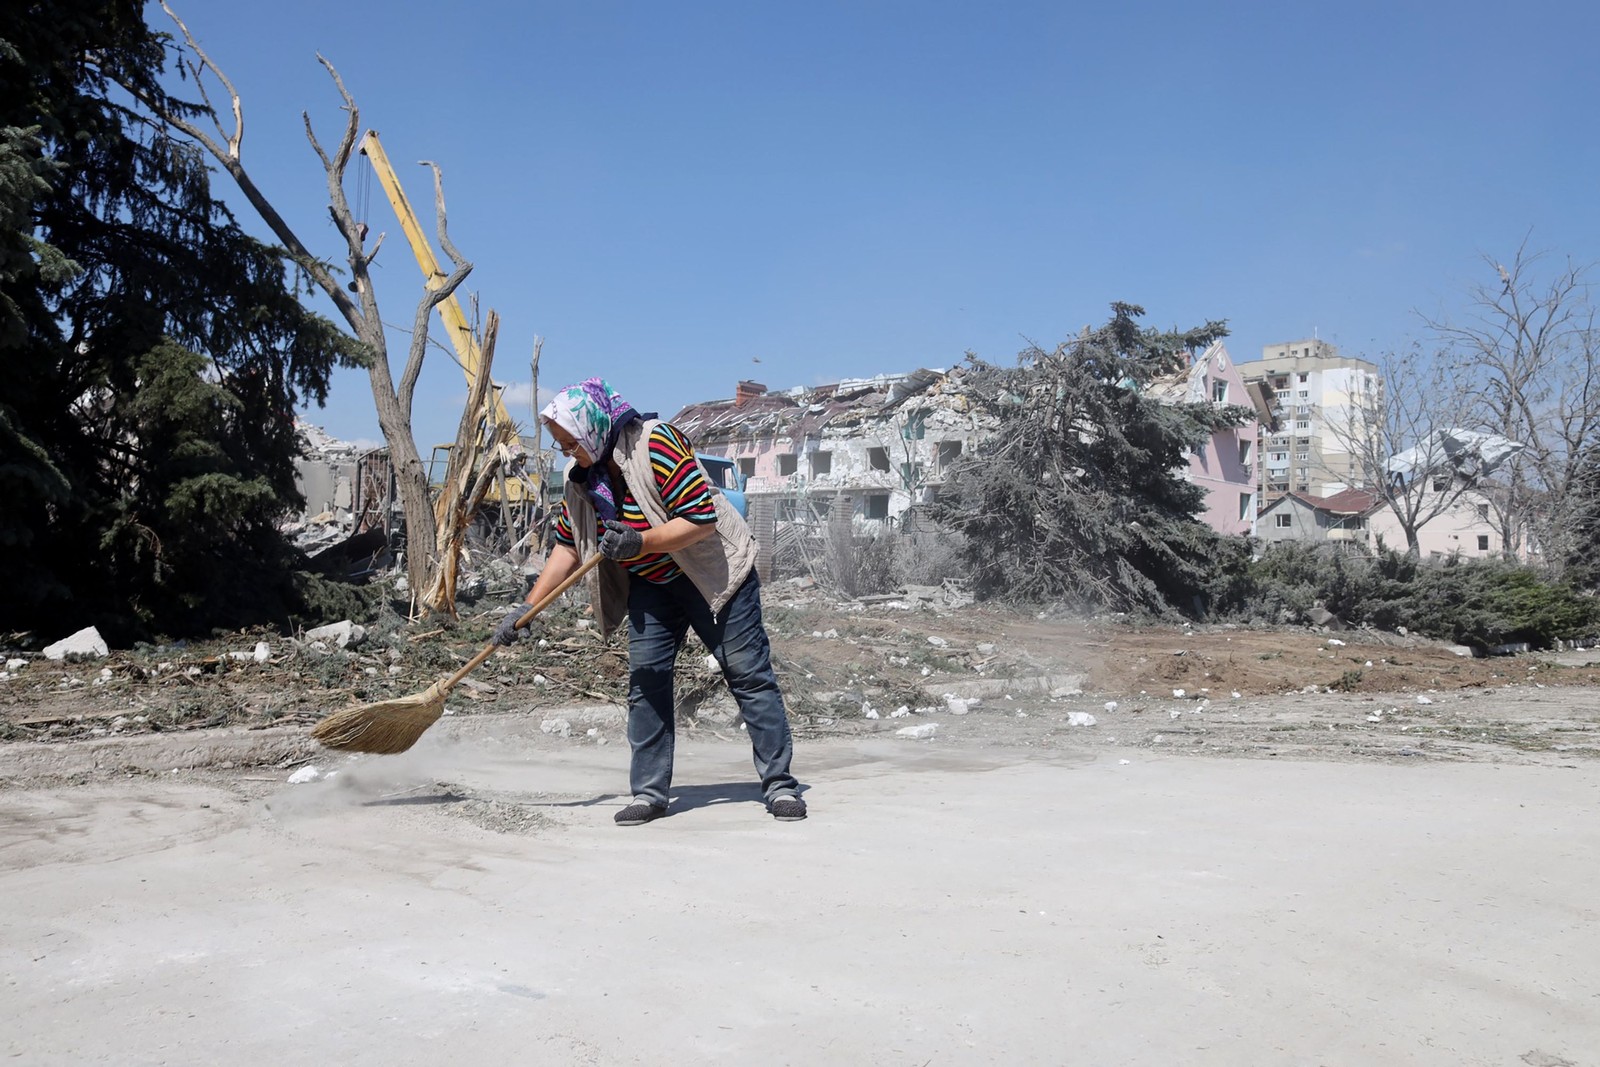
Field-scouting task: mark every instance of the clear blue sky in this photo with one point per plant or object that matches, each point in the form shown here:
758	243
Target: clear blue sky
668	192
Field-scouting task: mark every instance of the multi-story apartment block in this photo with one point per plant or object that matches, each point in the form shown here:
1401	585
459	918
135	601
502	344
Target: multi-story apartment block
1311	390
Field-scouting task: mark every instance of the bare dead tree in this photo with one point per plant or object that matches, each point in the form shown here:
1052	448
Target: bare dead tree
1393	430
360	312
476	463
1528	344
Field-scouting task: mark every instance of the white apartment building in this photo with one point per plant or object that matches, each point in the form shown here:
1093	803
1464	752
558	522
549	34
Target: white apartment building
1311	389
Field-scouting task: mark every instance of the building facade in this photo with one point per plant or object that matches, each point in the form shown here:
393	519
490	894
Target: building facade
1312	391
1224	466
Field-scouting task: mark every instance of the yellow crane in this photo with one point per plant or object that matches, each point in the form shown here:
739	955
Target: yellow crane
455	321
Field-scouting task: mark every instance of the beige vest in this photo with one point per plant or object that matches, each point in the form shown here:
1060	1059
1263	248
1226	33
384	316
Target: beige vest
717	565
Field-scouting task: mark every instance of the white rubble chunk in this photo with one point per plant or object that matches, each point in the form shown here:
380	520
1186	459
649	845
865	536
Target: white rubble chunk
868	711
305	774
1179	693
86	642
1111	705
559	727
262	653
1080	718
918	733
343	633
899	713
956	706
15	665
1335	642
711	665
985	649
1236	692
936	641
1424	700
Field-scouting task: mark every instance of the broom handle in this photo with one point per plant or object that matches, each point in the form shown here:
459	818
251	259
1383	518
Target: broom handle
488	650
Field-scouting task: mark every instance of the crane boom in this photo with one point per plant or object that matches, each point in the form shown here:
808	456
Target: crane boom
455	321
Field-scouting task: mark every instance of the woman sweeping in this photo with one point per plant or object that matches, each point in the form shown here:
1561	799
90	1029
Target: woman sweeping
678	556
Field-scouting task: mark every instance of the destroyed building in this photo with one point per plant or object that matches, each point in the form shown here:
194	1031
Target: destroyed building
870	451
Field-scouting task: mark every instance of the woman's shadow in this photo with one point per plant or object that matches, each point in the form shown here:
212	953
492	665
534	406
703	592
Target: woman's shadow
689	797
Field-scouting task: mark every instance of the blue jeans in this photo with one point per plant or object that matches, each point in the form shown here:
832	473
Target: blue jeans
659	617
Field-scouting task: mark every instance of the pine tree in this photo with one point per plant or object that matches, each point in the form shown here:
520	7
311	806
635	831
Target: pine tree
154	352
1079	495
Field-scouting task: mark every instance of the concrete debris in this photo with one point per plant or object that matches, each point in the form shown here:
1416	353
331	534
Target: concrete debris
260	654
956	705
305	774
558	727
86	642
1111	705
1424	700
918	733
343	633
1080	718
15	665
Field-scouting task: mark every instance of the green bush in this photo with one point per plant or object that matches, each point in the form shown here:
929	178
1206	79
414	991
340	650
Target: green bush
1480	603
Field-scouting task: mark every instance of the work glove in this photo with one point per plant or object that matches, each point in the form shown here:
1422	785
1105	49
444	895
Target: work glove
506	633
621	541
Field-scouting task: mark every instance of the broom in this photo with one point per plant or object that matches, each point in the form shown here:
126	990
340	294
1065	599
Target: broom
390	726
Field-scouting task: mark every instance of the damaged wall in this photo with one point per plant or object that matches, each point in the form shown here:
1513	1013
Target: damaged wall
870	448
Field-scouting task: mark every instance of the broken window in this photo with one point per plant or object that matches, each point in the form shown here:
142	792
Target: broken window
821	463
878	459
747	466
948	451
1483	512
1440	483
877	506
911	474
788	463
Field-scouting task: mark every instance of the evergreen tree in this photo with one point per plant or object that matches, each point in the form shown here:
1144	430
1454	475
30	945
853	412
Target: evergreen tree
1079	495
154	352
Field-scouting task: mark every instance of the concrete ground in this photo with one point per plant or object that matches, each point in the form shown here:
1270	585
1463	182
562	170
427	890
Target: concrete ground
472	902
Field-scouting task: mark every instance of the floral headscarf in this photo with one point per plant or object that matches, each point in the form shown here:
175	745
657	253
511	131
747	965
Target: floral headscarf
588	411
594	414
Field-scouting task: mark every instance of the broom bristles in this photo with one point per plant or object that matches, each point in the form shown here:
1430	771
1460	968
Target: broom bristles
383	728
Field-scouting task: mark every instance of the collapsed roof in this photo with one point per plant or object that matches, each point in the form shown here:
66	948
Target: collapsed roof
805	412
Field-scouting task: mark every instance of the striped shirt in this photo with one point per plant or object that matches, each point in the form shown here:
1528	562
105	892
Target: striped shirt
682	488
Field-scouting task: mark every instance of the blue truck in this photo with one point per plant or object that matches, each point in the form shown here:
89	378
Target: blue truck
724	474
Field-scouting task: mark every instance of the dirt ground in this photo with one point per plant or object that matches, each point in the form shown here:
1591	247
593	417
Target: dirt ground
1120	844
